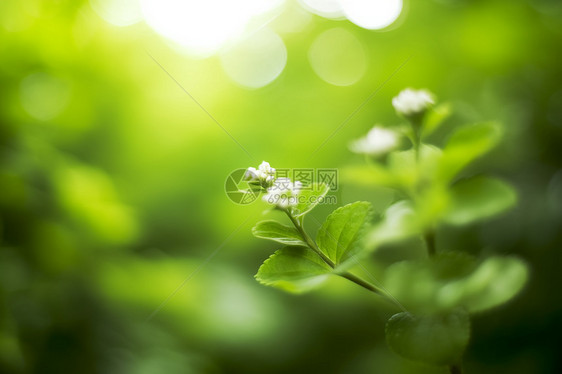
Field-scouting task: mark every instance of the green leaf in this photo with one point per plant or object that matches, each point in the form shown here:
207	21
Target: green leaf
433	339
293	269
452	280
479	198
467	144
399	223
373	174
277	232
494	282
339	237
309	197
435	117
408	170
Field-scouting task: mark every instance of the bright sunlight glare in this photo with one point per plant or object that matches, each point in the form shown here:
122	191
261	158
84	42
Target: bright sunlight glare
256	61
203	27
372	14
326	8
118	12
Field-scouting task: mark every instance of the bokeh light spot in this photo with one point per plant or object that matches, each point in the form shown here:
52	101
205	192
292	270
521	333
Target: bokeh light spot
372	14
338	57
203	27
118	12
326	8
44	96
256	61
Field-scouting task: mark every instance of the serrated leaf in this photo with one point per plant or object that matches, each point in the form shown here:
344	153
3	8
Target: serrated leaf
309	197
435	118
452	280
479	198
433	339
277	232
339	237
467	144
293	269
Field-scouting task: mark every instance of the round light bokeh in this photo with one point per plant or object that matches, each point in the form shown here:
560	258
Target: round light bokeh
326	8
203	27
256	61
44	96
292	19
372	14
338	57
118	12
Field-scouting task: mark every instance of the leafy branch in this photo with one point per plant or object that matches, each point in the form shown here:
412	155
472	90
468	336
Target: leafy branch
436	294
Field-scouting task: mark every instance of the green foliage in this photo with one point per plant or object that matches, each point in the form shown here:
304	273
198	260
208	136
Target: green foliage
399	222
438	292
453	280
339	237
435	118
438	339
293	269
310	197
277	232
465	145
479	198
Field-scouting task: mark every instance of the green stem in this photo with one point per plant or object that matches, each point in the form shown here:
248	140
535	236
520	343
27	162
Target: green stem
355	279
416	139
430	242
311	244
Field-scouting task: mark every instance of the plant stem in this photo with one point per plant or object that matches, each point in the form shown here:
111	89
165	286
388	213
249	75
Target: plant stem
430	242
455	369
416	139
311	244
355	279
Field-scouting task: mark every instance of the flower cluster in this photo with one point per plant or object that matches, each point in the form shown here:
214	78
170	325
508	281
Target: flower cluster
264	174
283	193
412	102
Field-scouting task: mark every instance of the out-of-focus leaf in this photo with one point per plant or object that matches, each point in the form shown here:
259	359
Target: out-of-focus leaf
399	223
465	145
451	280
373	174
339	237
310	197
479	198
434	339
494	282
435	117
277	232
293	269
417	284
409	170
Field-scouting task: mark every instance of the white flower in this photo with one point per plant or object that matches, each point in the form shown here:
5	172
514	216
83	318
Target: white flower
283	193
377	142
251	174
410	102
264	174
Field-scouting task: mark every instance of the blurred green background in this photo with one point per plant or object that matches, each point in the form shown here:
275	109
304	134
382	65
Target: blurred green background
112	177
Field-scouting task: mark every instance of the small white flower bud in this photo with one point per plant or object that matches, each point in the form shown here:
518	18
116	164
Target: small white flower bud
412	102
264	174
283	193
378	141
